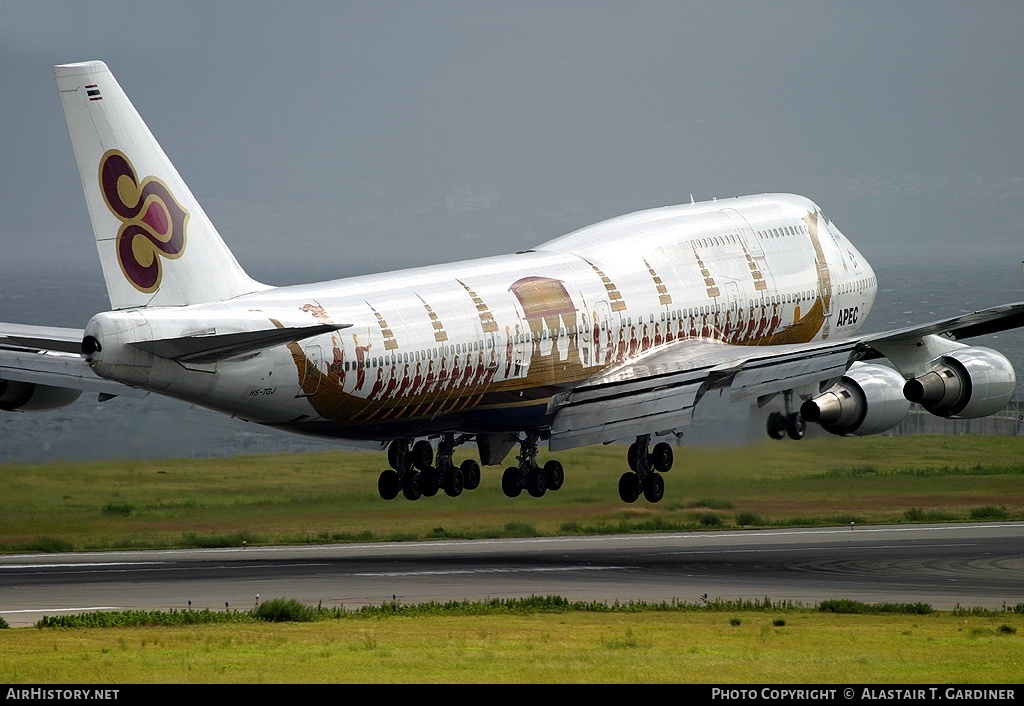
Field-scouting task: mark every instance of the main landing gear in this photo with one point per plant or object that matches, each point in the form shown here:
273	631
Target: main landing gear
413	474
646	467
788	423
528	475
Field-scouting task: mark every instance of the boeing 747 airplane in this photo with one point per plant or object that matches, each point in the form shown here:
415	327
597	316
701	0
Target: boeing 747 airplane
614	332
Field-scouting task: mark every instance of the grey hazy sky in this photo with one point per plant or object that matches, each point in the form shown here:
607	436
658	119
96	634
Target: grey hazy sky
332	138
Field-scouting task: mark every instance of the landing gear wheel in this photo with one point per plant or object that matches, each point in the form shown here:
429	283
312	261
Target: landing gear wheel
796	426
536	482
661	457
411	486
554	475
629	487
422	455
777	425
430	482
512	482
654	487
389	484
633	456
470	474
454	483
396	450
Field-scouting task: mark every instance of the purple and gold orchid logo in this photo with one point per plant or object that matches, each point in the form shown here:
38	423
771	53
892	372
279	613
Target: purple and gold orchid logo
152	221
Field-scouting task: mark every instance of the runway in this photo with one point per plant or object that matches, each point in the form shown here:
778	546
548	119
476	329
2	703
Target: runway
943	565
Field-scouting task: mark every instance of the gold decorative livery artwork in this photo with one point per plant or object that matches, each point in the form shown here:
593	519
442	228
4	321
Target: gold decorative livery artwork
487	322
709	281
389	336
664	298
440	335
153	223
614	296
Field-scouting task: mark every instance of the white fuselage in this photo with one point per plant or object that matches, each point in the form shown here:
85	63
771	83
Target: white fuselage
482	345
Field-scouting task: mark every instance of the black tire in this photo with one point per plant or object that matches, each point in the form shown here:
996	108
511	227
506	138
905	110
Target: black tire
454	482
430	482
662	457
470	474
395	453
554	474
796	426
536	482
389	484
633	456
422	454
654	487
776	425
629	487
512	482
411	486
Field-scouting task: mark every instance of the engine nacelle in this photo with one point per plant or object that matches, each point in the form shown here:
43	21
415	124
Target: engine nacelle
967	383
867	400
31	397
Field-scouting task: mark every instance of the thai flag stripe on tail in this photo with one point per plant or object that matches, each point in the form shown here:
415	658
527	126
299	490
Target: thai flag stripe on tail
93	91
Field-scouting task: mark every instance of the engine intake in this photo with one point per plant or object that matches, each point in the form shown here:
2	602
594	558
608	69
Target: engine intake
967	384
867	400
30	397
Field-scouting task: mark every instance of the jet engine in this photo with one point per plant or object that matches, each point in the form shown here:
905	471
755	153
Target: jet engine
867	400
966	383
31	397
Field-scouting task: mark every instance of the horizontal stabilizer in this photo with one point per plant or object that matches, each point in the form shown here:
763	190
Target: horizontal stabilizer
213	347
49	338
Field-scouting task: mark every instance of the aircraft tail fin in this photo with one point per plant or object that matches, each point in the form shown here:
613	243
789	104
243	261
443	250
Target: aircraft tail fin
156	244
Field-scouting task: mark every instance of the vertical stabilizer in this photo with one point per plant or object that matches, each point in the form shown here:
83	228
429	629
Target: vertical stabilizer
156	245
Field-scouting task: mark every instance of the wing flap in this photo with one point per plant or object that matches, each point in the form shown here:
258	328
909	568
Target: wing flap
599	420
775	375
658	392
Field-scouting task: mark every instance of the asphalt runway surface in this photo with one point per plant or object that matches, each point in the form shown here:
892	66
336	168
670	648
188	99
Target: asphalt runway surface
943	565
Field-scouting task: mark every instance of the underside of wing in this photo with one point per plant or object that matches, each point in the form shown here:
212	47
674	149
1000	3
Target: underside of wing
657	393
41	367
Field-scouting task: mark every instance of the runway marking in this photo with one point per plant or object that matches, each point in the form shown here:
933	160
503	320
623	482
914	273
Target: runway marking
456	572
389	547
119	568
63	610
87	565
817	549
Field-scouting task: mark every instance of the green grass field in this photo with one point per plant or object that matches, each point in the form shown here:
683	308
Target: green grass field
331	497
572	647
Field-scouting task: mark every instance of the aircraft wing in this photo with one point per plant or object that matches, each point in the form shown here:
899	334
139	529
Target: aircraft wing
660	389
45	355
977	323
